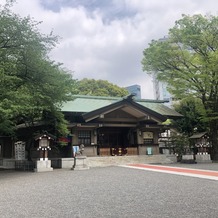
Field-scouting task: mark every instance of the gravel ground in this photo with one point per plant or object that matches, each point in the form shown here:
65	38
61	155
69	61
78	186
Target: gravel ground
107	192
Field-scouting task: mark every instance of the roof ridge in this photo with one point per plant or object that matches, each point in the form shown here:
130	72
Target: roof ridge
150	100
118	98
97	97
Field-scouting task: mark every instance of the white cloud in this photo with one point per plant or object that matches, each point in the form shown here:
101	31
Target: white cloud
107	44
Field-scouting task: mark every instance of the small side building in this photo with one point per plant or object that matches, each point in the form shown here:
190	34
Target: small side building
202	146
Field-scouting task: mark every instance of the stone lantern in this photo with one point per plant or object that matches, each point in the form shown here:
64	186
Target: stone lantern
44	146
43	164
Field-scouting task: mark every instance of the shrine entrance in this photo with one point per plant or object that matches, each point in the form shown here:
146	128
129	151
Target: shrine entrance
115	141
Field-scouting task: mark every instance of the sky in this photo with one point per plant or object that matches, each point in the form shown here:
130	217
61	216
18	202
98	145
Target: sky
105	39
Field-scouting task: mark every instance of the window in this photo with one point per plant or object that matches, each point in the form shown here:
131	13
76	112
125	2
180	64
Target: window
84	137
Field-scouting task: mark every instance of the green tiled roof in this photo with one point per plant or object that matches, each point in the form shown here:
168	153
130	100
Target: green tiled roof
83	103
198	135
86	104
159	108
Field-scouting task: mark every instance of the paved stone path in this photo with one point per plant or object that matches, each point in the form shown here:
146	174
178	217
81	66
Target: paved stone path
207	174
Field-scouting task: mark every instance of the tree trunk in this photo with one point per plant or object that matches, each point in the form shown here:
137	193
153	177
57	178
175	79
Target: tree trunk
214	139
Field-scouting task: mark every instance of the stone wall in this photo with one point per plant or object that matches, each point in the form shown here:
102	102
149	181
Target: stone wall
90	151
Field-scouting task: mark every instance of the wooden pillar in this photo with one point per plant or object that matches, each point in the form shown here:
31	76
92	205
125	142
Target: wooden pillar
41	154
45	154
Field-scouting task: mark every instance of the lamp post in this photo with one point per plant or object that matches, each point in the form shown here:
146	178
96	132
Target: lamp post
44	146
43	164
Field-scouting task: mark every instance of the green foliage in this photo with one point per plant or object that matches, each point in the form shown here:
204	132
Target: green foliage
30	83
100	88
181	145
187	62
193	116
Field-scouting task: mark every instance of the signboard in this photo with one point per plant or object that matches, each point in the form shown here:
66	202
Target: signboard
149	151
148	135
19	150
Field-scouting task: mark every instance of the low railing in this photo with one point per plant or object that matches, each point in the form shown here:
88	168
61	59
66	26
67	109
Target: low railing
56	163
24	165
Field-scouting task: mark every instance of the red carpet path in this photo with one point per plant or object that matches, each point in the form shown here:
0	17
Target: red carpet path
206	174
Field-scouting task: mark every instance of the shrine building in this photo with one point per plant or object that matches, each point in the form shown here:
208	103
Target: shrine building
111	126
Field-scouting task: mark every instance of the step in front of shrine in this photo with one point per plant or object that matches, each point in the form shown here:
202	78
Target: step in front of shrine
120	160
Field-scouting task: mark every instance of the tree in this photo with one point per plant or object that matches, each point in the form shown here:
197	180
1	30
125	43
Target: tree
100	88
187	61
30	83
181	145
193	116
